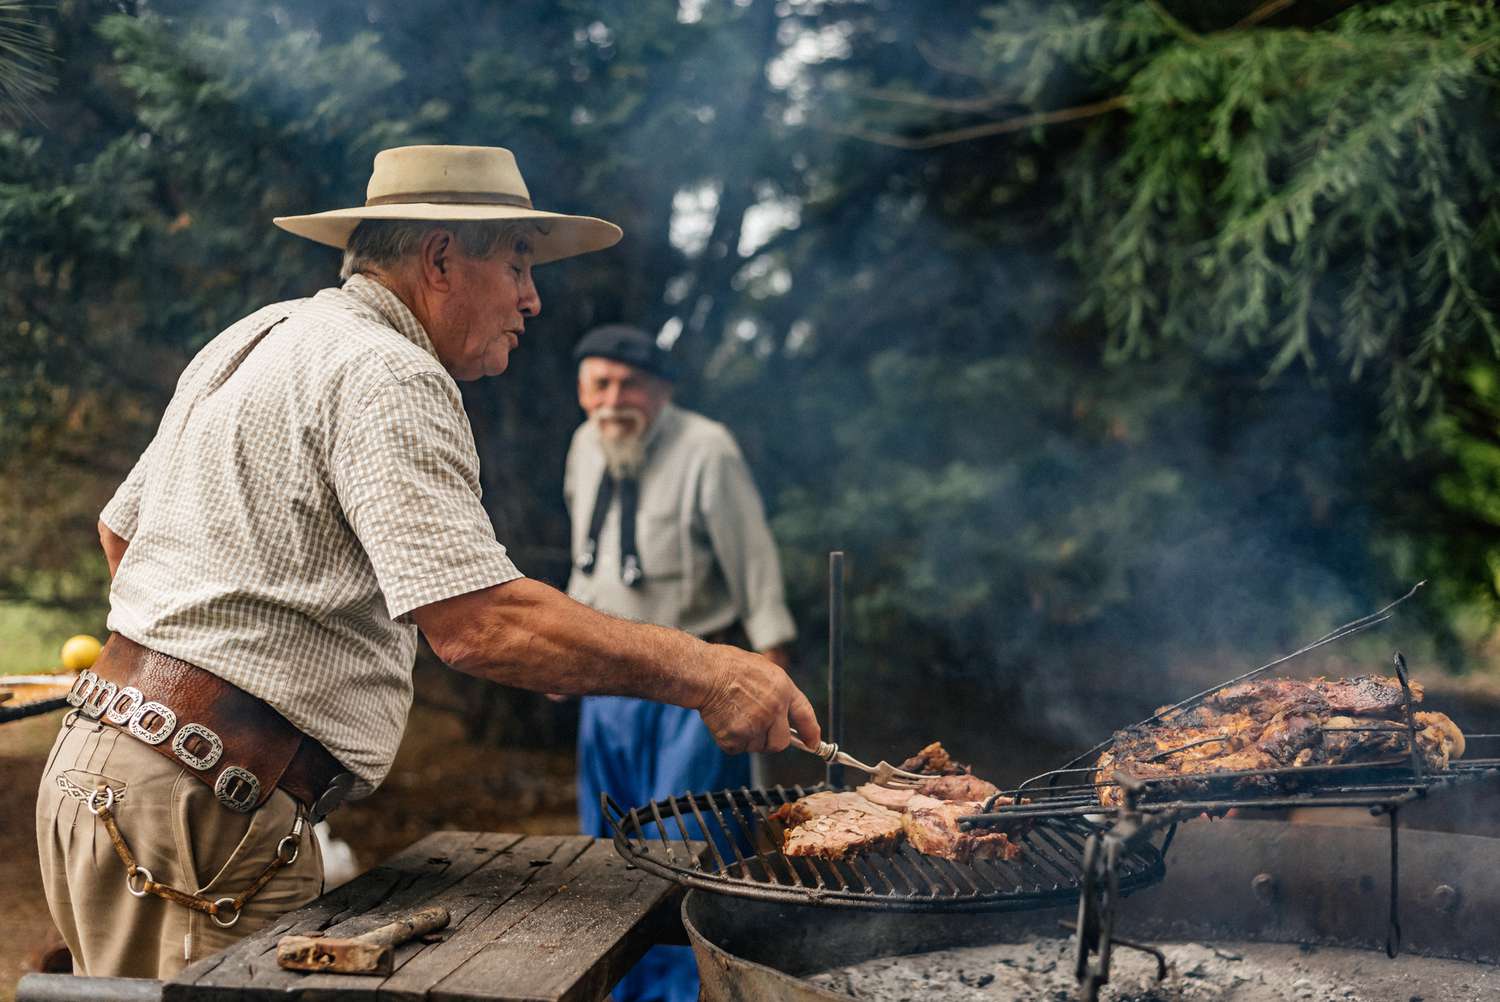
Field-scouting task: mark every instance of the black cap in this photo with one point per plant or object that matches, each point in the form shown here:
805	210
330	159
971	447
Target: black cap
627	344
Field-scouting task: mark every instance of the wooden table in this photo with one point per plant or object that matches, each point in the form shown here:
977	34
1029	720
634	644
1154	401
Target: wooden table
535	917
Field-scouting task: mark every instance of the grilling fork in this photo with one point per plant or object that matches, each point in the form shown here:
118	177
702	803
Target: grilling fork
881	773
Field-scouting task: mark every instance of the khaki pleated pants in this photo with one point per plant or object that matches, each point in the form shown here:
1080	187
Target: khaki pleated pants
176	829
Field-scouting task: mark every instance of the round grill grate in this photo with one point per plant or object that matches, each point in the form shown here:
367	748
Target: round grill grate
727	842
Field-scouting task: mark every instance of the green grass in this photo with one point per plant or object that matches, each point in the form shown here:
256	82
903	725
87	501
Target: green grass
32	636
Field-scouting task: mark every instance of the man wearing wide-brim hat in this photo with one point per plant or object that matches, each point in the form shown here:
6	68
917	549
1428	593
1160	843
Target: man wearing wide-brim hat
309	502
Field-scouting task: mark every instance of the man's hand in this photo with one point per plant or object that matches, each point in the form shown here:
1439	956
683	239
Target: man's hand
780	656
751	701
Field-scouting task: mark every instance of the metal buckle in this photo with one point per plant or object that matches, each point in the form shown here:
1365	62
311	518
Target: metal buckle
83	685
329	800
98	698
167	726
203	762
237	789
132	697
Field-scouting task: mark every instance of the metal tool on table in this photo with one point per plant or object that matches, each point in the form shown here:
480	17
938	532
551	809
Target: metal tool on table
369	953
881	773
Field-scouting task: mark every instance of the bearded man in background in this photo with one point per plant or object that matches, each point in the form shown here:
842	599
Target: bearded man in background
668	528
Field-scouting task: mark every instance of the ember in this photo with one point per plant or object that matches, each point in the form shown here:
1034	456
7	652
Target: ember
1041	970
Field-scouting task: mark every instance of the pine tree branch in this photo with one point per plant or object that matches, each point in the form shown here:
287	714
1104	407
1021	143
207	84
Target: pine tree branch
1015	124
984	103
1268	9
1177	28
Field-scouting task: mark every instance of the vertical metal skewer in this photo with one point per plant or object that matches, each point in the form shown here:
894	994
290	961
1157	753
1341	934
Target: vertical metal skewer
835	723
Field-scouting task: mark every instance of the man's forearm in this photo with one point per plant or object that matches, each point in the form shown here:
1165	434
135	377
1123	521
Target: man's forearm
526	634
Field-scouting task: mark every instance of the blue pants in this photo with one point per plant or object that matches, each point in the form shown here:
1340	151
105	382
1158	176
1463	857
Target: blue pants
638	751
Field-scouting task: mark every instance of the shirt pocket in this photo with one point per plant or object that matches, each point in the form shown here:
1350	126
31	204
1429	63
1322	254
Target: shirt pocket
658	539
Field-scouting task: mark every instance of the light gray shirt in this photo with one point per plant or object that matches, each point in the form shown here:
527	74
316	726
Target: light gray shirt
314	479
701	532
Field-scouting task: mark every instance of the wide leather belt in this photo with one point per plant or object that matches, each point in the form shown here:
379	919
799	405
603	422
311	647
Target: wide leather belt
237	744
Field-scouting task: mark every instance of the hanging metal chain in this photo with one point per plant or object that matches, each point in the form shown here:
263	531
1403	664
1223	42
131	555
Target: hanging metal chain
286	854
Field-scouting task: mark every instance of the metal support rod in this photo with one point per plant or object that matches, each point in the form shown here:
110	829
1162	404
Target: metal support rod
1393	923
834	731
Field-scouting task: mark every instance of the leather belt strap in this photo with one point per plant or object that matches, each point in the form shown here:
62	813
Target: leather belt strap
236	743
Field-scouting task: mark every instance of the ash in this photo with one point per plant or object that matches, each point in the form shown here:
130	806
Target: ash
1041	970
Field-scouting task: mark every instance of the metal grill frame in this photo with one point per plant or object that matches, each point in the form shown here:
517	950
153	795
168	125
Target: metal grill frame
1048	873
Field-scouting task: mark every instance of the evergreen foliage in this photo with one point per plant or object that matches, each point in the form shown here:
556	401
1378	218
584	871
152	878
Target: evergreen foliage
1318	187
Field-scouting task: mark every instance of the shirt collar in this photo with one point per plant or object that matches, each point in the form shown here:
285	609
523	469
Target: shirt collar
667	416
390	307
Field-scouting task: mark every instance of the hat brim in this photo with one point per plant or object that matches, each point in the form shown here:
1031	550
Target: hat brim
560	235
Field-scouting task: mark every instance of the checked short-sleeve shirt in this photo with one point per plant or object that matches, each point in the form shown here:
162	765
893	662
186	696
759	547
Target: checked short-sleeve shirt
314	479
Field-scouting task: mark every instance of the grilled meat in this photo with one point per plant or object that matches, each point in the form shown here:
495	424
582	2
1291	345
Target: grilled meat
968	788
1276	724
1362	696
1438	737
835	825
931	826
964	787
934	761
885	796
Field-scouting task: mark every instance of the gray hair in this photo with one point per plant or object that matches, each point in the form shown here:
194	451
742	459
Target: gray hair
377	244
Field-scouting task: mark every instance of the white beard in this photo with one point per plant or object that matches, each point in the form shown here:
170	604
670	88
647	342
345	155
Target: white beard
624	448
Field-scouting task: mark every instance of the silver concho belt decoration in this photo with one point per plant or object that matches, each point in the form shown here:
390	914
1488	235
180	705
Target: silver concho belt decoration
194	745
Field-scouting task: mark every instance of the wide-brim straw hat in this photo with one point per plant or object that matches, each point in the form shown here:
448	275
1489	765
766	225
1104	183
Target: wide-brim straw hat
450	184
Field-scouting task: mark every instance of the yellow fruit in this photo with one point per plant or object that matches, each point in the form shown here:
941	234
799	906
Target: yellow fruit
80	652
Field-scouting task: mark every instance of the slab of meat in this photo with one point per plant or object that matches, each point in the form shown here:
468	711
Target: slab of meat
931	826
1276	724
835	825
1362	696
885	796
965	788
962	787
934	761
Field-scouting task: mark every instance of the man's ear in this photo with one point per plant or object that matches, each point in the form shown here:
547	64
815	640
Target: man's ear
437	259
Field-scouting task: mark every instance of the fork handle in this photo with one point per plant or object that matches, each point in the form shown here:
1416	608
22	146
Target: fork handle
825	750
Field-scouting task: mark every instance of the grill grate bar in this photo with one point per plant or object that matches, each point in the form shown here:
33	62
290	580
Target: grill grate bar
888	864
713	844
734	843
921	887
693	857
661	831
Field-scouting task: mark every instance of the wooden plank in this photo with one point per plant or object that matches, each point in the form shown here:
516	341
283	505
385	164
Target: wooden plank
507	887
247	971
569	939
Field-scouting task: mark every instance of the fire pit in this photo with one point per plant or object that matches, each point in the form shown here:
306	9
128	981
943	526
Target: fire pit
1249	910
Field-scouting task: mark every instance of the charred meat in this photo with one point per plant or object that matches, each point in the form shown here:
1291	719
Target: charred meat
931	826
1276	724
934	761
